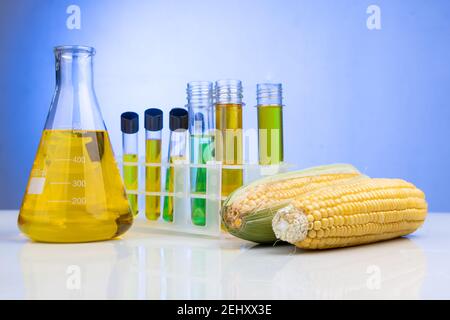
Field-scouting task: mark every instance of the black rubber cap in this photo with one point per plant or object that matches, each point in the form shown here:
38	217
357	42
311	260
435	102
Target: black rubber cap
129	122
178	119
153	119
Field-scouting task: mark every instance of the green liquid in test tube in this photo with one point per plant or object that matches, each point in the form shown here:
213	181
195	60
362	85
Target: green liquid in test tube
270	123
178	124
201	124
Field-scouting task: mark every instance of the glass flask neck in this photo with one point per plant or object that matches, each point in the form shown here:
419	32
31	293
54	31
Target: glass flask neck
74	105
74	68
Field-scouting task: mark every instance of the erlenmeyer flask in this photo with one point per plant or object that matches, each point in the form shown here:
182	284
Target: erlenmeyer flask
75	192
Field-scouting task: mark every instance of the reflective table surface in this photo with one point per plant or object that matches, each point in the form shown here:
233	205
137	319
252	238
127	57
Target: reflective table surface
146	264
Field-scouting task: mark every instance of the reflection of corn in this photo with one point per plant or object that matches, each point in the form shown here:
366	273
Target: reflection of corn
248	212
393	270
361	210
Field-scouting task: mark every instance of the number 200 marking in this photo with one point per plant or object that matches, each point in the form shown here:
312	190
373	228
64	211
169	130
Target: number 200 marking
78	201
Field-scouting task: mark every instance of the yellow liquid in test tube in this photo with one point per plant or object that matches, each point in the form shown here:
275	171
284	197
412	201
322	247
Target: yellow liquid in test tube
130	178
153	178
229	124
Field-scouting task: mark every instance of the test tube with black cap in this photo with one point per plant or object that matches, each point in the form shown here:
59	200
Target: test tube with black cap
153	136
130	126
179	124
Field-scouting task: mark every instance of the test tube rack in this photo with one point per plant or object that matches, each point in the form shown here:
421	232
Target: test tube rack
182	222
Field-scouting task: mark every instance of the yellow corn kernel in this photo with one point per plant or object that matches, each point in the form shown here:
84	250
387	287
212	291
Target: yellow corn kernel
359	211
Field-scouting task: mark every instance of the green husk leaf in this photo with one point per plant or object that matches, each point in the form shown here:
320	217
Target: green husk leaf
257	227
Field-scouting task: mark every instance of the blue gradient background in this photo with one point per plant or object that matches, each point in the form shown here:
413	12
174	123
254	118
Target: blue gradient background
376	99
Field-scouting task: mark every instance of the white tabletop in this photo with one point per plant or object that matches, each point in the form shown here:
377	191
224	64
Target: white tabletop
145	264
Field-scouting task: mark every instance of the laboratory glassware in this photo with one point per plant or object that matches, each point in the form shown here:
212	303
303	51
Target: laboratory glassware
153	130
75	192
178	125
270	123
229	137
201	128
130	157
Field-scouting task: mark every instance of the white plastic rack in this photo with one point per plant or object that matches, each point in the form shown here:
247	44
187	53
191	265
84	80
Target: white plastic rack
182	194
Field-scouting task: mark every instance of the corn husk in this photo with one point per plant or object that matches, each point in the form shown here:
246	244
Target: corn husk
254	222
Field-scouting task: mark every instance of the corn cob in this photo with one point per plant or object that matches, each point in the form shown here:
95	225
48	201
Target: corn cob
248	212
358	211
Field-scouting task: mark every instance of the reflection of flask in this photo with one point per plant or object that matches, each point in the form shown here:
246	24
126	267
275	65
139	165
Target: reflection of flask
130	128
178	124
153	127
72	271
201	124
270	123
75	192
229	125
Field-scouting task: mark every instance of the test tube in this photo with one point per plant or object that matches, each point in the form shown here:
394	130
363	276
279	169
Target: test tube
201	126
270	123
229	126
130	128
153	130
178	125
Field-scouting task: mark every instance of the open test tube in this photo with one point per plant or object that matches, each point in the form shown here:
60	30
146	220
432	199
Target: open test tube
201	127
229	141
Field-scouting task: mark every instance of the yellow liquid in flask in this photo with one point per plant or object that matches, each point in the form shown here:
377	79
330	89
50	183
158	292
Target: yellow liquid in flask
75	192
